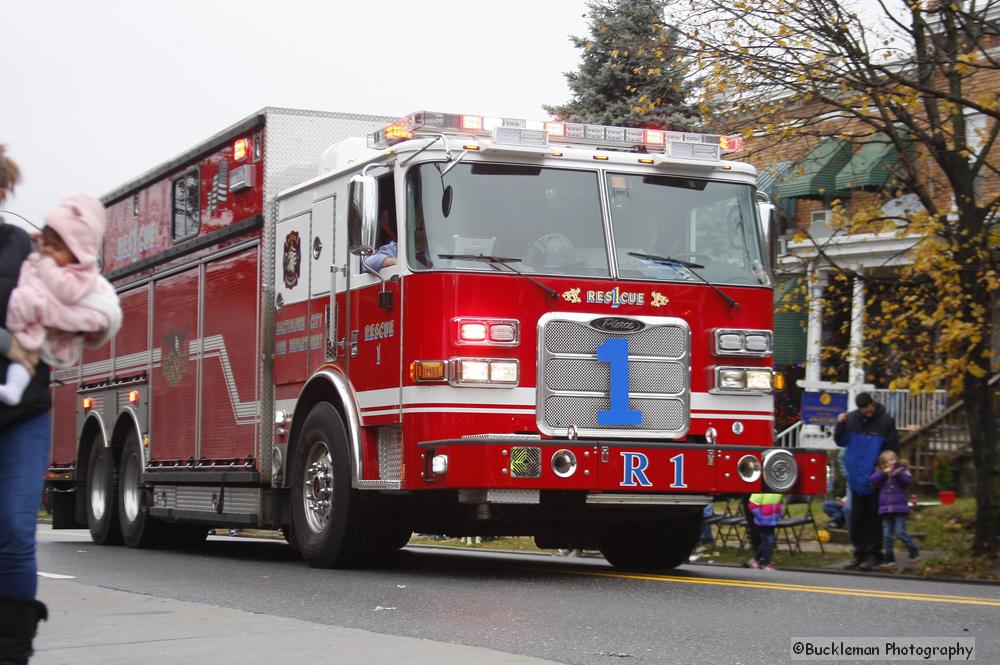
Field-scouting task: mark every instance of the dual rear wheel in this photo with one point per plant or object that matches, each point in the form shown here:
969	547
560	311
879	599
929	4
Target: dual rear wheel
118	504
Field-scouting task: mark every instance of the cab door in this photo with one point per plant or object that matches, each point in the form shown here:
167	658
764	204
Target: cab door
375	366
323	281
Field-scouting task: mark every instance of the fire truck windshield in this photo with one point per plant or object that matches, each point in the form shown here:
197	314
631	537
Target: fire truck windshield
551	220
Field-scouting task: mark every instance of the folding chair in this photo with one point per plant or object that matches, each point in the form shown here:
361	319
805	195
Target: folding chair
733	524
793	527
710	521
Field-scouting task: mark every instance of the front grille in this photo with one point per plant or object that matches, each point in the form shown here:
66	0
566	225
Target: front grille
573	385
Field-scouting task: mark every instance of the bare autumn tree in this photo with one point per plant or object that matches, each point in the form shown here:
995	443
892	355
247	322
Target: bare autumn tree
925	77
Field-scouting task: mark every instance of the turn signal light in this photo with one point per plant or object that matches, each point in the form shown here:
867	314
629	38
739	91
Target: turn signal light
133	397
427	370
88	403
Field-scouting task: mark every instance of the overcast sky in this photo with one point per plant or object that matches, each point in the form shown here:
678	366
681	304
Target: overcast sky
94	93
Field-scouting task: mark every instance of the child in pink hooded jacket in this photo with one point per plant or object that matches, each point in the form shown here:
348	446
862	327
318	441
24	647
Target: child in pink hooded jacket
61	296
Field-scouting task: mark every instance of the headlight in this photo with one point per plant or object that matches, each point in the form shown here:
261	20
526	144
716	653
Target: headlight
751	380
503	371
473	371
486	372
747	343
732	379
780	470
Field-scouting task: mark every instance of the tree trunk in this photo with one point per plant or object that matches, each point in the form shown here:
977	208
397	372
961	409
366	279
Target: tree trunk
983	433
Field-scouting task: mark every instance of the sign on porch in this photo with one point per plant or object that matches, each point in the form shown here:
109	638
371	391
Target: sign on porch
822	407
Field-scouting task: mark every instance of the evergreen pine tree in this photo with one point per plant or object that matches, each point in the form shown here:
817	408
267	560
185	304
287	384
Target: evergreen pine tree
631	71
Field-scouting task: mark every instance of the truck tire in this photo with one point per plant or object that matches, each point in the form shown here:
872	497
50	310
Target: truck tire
102	496
665	542
332	522
138	528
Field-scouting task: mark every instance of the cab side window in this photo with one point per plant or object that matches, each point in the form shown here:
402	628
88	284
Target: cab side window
387	229
186	205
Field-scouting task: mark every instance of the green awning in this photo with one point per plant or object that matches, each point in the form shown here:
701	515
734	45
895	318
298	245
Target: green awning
871	166
770	177
769	181
816	173
789	325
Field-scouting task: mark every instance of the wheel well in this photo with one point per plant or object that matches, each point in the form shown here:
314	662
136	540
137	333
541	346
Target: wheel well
123	427
316	392
91	435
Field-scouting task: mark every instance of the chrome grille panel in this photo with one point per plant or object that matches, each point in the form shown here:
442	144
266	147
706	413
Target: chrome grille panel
573	386
660	414
571	374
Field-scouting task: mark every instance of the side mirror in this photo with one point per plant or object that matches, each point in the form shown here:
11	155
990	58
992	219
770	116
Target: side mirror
767	224
362	214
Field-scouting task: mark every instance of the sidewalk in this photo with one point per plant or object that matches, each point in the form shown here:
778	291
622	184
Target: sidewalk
91	625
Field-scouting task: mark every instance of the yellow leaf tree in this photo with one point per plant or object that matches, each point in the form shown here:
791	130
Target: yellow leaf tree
925	76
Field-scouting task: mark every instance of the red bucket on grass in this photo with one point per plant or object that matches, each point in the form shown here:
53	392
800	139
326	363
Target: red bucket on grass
947	497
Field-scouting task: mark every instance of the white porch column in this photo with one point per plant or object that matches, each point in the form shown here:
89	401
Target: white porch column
856	367
814	329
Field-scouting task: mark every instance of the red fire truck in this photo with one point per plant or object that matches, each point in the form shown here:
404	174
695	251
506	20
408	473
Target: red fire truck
457	324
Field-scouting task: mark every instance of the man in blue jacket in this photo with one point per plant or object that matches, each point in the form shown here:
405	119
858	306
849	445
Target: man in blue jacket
864	433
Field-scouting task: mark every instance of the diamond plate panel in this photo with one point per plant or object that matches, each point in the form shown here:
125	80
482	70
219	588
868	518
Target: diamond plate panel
296	139
390	453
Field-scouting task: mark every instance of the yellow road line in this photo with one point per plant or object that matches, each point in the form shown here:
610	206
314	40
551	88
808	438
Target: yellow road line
799	588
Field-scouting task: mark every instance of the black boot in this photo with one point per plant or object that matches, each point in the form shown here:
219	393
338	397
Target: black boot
18	620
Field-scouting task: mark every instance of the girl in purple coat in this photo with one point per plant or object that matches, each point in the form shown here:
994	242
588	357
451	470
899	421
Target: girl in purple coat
890	480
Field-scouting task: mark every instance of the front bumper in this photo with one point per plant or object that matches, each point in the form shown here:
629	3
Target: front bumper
603	466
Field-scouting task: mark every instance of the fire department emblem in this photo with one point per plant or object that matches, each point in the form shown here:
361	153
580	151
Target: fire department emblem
292	259
175	357
572	295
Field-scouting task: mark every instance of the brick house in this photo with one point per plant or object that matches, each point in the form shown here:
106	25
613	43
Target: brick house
809	179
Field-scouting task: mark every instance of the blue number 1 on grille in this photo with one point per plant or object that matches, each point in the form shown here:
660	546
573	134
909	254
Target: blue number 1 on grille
614	351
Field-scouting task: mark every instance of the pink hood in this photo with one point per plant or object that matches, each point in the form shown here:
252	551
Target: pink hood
80	221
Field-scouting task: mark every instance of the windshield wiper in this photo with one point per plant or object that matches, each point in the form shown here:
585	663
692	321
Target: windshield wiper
690	267
502	260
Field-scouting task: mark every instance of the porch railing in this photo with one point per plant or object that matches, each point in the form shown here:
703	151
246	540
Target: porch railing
946	435
912	411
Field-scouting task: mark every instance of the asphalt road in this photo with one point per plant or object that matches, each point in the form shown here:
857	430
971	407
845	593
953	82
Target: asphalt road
564	610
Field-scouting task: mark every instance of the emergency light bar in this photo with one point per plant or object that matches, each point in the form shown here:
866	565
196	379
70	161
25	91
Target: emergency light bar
535	133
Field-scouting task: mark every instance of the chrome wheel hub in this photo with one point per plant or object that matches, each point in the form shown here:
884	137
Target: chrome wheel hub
130	490
98	487
317	488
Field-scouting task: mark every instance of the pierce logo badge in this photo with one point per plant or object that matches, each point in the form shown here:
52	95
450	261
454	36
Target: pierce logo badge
617	324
